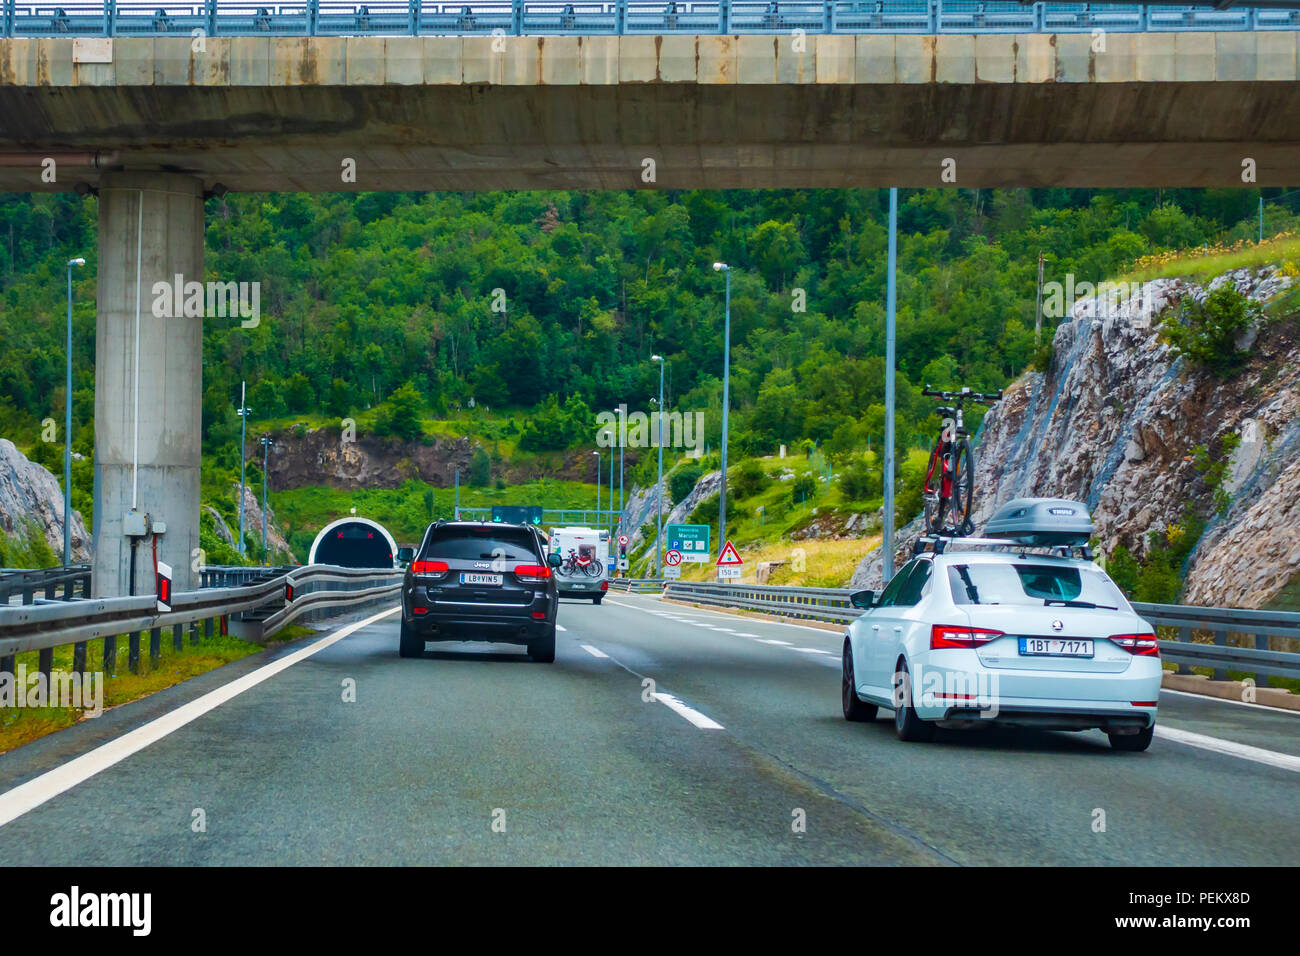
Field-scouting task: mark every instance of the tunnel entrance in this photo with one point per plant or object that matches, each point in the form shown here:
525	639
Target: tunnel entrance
353	543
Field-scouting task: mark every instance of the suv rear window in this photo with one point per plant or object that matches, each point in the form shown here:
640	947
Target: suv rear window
480	544
1033	585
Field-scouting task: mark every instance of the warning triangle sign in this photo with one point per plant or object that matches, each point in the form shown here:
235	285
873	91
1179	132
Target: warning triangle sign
729	556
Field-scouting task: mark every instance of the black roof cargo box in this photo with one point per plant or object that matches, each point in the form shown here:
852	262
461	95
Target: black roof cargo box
1042	522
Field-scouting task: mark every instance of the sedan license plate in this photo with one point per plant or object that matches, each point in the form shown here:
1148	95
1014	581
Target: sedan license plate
469	577
1055	647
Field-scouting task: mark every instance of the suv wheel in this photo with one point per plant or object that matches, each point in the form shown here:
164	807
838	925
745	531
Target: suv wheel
596	599
542	650
410	644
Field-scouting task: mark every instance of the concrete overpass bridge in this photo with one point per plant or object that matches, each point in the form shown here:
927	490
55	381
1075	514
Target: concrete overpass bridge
155	122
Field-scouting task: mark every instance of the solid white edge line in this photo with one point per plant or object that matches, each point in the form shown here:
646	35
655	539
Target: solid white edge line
1229	748
773	641
1229	700
690	713
30	795
594	651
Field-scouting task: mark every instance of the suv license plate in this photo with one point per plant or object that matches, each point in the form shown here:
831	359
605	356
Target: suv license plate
468	577
1055	647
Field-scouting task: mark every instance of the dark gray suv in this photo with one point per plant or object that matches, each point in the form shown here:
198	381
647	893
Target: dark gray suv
480	581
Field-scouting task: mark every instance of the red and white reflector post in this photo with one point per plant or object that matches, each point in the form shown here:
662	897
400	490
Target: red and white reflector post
164	586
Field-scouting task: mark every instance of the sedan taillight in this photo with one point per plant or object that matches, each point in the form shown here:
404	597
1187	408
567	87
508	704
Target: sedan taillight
532	572
430	567
949	635
1139	645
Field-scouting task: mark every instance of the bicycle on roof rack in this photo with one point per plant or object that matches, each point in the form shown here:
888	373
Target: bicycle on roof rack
949	487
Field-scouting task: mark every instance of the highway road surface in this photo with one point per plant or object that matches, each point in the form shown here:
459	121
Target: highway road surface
735	754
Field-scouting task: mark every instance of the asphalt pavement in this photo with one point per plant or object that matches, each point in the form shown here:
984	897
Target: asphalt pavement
662	734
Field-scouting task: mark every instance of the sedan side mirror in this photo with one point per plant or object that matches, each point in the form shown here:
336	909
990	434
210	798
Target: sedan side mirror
864	600
554	559
404	555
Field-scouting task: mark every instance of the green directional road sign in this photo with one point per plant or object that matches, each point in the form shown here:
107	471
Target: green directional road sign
692	540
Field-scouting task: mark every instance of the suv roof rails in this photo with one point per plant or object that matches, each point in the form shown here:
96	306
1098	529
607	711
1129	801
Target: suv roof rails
938	544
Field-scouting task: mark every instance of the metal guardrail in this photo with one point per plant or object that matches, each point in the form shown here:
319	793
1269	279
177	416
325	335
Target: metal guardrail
622	17
832	605
1220	622
637	585
43	627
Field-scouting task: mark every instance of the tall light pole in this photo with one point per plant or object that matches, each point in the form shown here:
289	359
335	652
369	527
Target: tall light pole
659	498
611	483
726	403
267	442
622	440
67	429
243	428
597	454
887	525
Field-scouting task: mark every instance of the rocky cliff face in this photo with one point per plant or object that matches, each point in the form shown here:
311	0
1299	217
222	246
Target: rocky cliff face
320	457
275	541
1114	421
29	493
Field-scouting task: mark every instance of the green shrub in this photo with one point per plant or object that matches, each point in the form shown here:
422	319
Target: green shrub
803	488
858	482
682	481
706	512
747	478
1123	570
1206	332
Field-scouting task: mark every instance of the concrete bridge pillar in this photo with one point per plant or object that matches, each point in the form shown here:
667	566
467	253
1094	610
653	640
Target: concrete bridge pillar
148	377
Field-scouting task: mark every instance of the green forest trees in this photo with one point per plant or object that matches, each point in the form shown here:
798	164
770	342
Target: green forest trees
511	298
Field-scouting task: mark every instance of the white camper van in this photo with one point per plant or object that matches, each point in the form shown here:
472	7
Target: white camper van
584	568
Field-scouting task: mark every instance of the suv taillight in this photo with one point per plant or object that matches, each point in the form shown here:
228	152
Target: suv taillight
1139	645
948	635
430	567
532	572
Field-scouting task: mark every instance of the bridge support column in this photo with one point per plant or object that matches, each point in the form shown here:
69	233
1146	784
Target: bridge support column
148	377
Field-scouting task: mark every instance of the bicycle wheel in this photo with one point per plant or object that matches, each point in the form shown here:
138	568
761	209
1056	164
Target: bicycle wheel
962	490
932	491
595	569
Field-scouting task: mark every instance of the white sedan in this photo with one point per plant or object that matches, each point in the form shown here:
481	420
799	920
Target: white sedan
972	638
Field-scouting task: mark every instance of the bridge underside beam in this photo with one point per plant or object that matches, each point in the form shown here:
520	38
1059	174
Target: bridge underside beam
423	113
147	426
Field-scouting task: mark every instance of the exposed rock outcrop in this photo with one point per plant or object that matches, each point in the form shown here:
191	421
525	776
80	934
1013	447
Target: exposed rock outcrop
275	542
1114	422
29	493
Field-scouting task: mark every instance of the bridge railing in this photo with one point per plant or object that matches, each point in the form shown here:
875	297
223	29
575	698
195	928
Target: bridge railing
615	17
31	586
1258	628
283	597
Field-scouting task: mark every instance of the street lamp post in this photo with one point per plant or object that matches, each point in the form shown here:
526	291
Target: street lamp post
611	483
267	442
67	429
597	454
887	522
726	403
659	497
